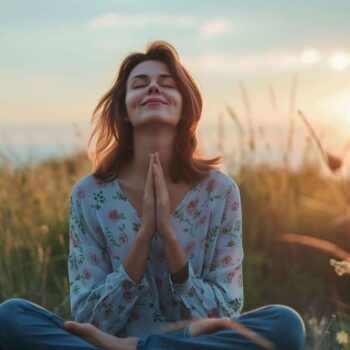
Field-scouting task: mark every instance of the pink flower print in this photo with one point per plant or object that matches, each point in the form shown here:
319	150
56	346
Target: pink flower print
86	274
123	238
202	220
107	313
127	285
189	247
240	280
226	260
113	215
109	250
191	292
234	206
100	183
95	259
213	312
74	239
211	185
96	323
98	231
202	244
230	276
80	193
192	206
128	296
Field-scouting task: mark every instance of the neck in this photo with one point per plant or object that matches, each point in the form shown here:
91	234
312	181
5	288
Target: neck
147	140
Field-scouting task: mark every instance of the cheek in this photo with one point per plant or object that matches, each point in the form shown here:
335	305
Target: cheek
130	101
178	101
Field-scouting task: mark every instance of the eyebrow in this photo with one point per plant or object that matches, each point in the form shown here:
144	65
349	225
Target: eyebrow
144	76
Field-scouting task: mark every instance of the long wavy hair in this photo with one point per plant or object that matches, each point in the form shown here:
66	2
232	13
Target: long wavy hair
111	140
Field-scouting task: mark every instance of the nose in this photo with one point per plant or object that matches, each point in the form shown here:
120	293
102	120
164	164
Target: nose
153	88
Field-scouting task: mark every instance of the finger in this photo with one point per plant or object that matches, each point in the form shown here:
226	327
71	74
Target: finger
80	329
156	178
149	180
160	173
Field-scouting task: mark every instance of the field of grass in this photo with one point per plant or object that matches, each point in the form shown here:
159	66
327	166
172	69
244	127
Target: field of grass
278	203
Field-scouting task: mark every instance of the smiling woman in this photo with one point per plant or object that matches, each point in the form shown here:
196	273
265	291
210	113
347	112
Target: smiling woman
144	101
155	233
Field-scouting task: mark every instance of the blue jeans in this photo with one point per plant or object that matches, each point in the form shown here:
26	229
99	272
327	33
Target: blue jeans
27	326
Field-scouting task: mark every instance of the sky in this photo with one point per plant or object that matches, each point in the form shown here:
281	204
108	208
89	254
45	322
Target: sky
58	58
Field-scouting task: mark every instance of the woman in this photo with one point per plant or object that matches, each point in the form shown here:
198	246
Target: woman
155	231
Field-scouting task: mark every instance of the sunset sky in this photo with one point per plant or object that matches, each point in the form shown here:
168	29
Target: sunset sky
58	58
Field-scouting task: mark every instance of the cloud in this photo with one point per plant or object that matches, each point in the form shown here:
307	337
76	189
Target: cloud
273	60
207	29
111	20
215	27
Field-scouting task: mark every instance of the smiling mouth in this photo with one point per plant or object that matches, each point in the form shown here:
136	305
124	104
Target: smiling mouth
154	102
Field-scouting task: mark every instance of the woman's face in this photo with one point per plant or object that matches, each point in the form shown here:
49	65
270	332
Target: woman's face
152	95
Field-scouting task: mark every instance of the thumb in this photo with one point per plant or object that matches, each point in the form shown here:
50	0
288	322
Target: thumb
70	326
76	327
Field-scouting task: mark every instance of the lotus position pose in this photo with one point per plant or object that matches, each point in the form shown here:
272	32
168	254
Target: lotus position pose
155	258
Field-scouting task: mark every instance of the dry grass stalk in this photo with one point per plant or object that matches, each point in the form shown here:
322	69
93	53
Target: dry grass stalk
291	117
241	133
221	135
317	243
248	109
334	163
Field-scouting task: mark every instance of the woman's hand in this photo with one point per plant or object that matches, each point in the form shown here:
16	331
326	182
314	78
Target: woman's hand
163	223
93	335
148	218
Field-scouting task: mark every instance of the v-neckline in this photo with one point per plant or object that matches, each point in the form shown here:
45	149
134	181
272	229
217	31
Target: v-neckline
134	209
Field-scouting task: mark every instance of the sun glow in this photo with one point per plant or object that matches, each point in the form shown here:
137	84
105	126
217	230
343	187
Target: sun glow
310	56
337	108
339	61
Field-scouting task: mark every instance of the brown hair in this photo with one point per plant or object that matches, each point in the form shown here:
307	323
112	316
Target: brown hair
114	136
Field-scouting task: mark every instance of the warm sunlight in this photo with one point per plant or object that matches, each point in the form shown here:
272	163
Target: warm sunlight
339	61
310	56
337	108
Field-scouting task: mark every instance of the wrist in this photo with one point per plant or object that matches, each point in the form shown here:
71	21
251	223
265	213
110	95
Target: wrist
144	235
168	235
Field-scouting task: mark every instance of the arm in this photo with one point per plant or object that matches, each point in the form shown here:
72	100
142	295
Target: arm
99	295
220	291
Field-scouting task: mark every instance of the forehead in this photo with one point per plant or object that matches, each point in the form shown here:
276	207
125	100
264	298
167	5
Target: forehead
150	68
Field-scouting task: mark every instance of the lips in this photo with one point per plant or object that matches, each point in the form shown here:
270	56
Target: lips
150	100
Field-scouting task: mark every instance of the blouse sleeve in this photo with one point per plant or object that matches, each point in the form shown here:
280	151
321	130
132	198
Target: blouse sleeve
219	293
98	294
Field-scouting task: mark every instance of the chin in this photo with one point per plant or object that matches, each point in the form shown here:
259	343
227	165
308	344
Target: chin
158	119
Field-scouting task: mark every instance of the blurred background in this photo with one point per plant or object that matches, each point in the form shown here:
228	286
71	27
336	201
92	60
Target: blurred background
275	78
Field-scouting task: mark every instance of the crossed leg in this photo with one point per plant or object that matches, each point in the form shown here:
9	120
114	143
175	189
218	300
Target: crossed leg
24	325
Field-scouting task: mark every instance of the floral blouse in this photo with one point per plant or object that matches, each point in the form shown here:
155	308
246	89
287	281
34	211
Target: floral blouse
103	224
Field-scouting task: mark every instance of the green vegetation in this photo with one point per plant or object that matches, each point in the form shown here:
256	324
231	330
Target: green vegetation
34	210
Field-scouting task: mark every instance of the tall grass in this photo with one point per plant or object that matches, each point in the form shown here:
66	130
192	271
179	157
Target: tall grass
277	200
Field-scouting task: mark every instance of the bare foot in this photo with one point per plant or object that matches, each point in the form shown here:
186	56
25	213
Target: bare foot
99	338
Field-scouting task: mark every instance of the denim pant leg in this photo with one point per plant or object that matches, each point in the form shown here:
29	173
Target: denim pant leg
278	324
27	326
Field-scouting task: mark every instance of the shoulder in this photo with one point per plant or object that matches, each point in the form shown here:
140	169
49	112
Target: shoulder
88	185
221	182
